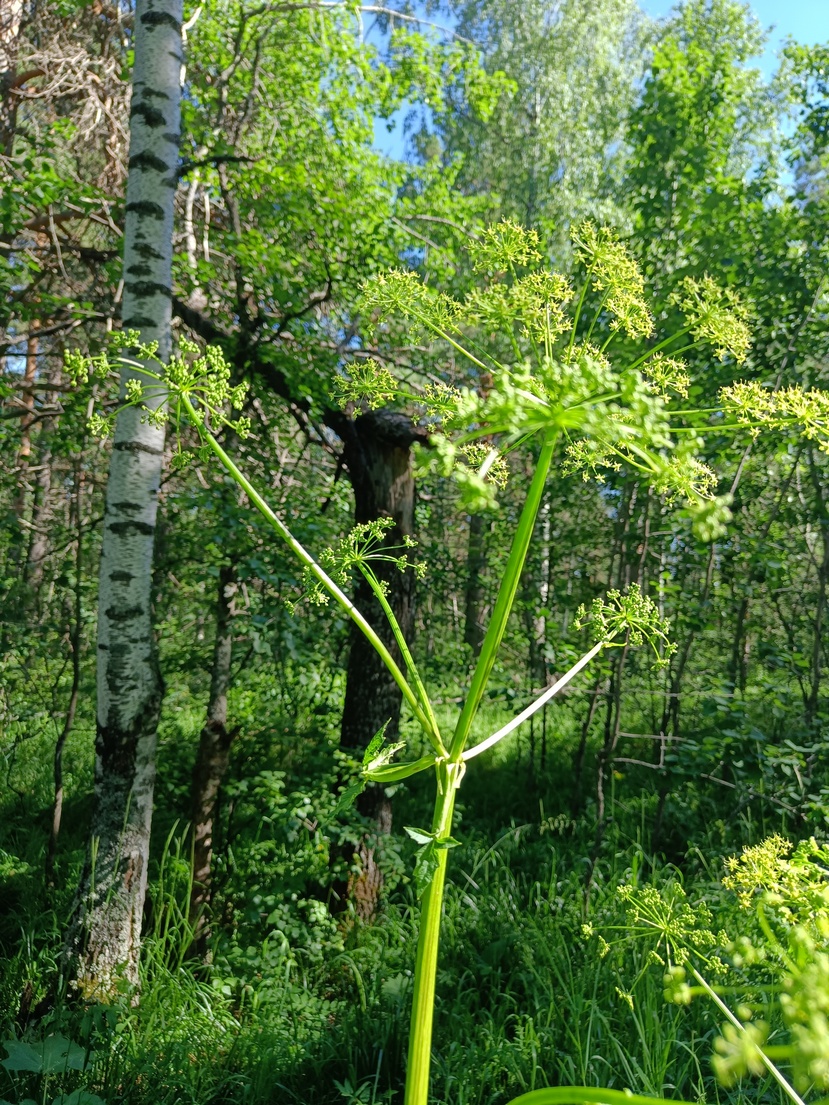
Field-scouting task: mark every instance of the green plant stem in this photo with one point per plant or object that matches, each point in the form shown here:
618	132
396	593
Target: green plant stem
587	1095
433	733
449	775
579	306
331	587
776	1074
423	998
506	597
542	700
661	345
441	333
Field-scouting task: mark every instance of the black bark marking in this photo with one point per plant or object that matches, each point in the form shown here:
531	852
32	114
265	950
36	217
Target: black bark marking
130	528
147	209
136	447
151	115
124	614
141	270
173	139
121	577
146	160
143	289
146	252
159	19
127	507
148	93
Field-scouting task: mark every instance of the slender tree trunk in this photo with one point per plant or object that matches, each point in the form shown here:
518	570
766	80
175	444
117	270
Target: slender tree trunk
104	938
473	633
22	500
813	700
75	633
24	450
211	760
41	514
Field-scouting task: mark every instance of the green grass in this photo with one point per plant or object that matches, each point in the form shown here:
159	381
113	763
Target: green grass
296	1009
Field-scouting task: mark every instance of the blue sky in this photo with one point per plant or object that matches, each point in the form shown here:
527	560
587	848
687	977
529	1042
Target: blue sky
807	21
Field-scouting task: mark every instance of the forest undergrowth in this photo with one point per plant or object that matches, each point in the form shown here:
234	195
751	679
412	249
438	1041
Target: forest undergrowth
296	1004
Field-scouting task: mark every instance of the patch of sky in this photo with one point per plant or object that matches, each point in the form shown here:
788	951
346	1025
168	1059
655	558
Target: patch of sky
805	21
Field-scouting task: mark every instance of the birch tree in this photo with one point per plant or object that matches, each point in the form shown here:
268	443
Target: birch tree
105	935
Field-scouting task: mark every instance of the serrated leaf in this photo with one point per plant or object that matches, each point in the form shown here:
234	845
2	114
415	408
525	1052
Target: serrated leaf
426	864
426	857
349	796
384	756
375	744
419	836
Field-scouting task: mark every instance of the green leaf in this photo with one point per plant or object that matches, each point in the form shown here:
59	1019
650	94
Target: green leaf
21	1057
51	1056
350	795
375	744
79	1097
372	756
426	864
60	1054
419	836
426	859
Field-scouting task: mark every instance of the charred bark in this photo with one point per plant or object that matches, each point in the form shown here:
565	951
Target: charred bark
377	450
377	455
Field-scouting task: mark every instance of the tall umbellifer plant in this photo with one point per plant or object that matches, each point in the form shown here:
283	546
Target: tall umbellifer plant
555	390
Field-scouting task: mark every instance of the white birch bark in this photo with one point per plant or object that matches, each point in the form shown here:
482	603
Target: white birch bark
105	939
11	14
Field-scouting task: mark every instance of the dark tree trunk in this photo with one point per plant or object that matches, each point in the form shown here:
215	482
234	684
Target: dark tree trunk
378	459
212	760
377	454
473	633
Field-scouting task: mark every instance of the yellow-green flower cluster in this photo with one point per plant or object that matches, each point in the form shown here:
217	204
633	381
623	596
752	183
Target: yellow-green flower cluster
630	613
402	292
617	274
756	408
667	374
505	247
716	315
367	382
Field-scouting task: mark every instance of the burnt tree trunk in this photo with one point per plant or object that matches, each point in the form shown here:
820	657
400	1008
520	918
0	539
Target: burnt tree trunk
377	455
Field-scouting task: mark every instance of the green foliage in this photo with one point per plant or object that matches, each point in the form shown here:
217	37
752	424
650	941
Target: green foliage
290	231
